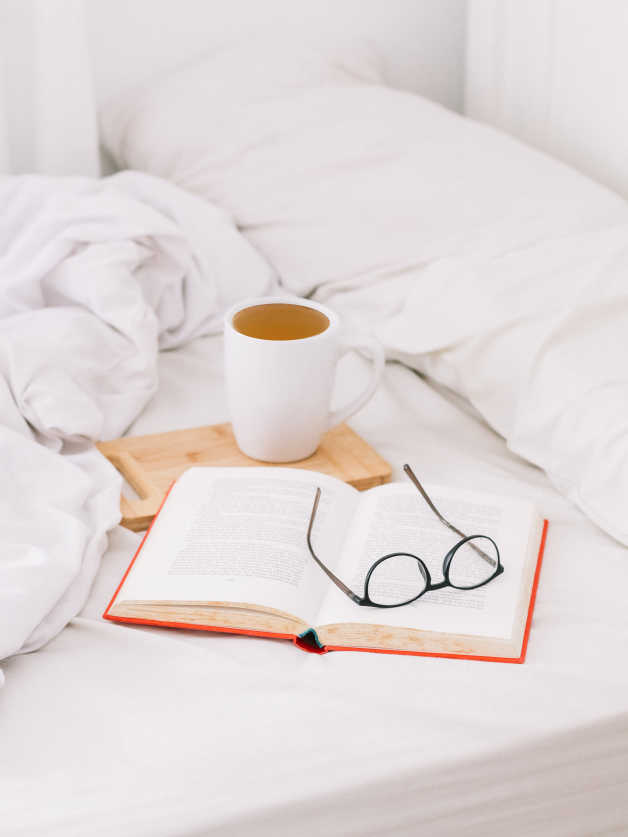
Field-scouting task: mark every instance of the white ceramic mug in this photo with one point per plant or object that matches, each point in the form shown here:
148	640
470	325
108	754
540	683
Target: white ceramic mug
279	391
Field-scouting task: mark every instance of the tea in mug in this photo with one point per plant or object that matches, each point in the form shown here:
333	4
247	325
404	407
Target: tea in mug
280	321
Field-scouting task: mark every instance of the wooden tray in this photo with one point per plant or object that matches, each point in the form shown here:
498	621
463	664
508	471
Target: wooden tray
151	463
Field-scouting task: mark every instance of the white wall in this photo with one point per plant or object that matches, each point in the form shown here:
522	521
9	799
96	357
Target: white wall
47	119
421	42
554	73
61	59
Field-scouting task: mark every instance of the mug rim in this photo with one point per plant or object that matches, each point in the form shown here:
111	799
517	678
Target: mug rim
284	300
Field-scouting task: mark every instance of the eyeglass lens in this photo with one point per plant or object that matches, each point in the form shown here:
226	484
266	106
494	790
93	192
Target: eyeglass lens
397	579
469	567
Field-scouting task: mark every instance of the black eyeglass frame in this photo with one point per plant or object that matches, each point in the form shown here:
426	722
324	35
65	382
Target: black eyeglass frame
366	601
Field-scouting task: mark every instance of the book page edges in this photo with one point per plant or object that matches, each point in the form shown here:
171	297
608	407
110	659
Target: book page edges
409	641
297	631
137	552
234	617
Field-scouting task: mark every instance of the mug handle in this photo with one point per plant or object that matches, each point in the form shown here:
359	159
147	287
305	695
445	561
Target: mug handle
375	351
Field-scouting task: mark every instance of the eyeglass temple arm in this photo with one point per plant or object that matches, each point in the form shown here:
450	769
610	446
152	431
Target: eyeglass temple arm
410	473
346	590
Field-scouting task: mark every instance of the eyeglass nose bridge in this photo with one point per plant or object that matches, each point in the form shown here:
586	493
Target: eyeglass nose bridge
438	586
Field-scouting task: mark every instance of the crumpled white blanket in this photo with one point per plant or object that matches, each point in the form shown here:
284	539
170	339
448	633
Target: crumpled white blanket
536	338
494	269
95	278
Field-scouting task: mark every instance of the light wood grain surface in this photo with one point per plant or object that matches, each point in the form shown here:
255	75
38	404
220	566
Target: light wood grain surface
151	463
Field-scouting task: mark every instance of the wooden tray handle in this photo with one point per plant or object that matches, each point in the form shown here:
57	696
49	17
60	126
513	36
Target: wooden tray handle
136	514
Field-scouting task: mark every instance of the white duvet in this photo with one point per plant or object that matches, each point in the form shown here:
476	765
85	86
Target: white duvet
500	272
95	278
496	269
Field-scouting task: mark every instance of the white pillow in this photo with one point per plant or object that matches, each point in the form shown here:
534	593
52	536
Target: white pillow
333	176
475	258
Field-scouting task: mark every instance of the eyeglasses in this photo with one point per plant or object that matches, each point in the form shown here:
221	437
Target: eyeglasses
401	578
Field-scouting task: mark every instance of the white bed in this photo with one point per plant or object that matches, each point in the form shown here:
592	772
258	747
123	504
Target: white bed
142	731
110	729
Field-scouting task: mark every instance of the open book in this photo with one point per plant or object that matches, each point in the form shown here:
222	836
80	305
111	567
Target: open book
228	552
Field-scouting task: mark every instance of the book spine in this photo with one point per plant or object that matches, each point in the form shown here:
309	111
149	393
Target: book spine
309	641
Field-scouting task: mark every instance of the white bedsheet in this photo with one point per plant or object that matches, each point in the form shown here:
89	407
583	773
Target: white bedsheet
139	731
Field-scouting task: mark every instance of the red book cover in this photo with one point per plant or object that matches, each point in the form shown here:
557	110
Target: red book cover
308	640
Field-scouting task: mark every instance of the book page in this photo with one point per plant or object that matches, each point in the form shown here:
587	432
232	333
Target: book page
395	518
239	535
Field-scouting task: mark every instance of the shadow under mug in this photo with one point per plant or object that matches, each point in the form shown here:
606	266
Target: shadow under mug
279	390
